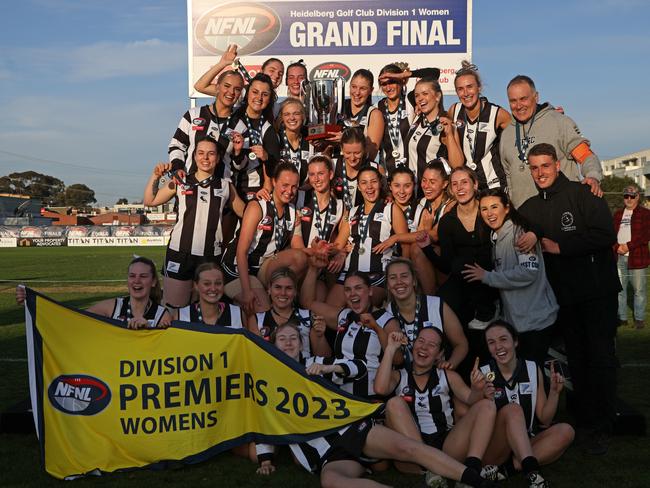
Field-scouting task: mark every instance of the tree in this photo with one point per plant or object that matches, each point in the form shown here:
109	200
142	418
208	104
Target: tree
43	187
613	187
79	195
122	201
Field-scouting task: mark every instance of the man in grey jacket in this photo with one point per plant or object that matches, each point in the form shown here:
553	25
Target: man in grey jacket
532	124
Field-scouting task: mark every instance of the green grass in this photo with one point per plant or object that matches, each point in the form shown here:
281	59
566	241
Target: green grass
624	466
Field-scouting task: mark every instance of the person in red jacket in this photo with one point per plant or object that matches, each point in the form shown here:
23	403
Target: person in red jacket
632	225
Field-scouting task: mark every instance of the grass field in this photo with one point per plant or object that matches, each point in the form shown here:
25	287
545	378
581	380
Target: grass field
81	276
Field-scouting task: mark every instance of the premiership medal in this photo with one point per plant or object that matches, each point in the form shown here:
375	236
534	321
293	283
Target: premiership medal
490	376
362	250
252	156
395	154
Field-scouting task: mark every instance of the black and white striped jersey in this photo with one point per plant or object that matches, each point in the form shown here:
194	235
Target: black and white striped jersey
299	156
353	341
353	369
380	228
247	173
423	205
122	311
429	315
387	143
480	142
521	389
267	324
431	406
231	315
312	455
361	118
198	228
420	206
321	225
423	146
196	124
263	244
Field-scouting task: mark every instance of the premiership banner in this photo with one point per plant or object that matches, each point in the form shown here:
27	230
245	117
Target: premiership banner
107	398
334	38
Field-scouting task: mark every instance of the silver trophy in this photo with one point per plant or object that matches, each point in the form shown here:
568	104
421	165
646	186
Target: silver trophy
324	98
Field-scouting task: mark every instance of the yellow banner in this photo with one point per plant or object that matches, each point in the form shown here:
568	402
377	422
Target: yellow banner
108	398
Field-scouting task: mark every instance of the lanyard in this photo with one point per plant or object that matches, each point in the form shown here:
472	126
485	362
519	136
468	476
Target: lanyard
278	233
428	126
416	317
522	143
129	313
471	141
220	308
288	153
364	224
223	127
322	230
347	197
187	188
254	135
394	123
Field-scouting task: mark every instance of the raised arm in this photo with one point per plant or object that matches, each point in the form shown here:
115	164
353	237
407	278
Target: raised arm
250	221
204	83
387	378
154	196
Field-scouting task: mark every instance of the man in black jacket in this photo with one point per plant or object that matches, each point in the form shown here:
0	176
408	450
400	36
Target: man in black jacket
578	235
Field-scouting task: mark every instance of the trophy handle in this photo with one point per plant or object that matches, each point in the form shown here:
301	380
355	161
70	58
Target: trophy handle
305	91
340	96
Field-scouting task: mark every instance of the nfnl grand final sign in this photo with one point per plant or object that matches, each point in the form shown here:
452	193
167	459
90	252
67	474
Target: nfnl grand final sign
337	37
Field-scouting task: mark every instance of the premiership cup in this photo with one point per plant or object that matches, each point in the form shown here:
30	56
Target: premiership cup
324	100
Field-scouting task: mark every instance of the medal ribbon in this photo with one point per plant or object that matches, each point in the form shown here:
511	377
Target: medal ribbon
364	225
394	123
254	135
416	317
288	152
322	231
278	233
347	197
522	143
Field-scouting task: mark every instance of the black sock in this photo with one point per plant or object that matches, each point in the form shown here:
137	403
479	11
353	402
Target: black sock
529	464
471	477
474	463
509	467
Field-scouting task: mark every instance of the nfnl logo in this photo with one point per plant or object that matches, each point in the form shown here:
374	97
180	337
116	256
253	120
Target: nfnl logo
79	394
251	26
330	70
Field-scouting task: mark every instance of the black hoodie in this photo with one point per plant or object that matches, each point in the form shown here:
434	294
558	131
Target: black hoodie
569	214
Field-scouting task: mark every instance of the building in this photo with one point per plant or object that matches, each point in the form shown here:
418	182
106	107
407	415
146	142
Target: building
634	165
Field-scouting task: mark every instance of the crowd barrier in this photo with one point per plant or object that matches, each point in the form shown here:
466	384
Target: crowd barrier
78	235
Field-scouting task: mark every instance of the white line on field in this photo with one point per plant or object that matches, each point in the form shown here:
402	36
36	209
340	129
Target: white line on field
13	360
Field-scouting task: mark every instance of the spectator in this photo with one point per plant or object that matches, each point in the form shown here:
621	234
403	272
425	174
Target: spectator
632	225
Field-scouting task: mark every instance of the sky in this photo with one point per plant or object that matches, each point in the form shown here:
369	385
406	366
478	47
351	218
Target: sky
91	91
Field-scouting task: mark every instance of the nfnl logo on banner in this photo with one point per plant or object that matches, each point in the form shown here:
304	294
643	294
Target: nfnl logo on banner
332	36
